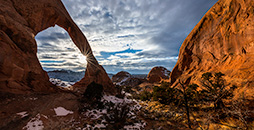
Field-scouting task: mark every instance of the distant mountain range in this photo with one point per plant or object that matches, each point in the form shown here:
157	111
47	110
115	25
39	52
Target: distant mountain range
66	75
72	76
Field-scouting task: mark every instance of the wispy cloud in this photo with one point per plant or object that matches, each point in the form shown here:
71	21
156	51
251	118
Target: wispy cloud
132	35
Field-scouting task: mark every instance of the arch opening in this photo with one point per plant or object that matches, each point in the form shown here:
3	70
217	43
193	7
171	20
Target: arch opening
60	57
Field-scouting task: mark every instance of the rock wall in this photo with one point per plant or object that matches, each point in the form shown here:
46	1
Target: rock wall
222	41
20	70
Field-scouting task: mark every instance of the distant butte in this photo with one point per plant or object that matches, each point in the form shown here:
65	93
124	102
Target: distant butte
157	74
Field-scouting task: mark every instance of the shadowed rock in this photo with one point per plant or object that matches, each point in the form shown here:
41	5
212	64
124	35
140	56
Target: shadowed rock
121	76
158	73
20	70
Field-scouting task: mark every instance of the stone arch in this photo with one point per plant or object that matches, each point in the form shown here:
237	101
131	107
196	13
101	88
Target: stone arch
56	51
21	71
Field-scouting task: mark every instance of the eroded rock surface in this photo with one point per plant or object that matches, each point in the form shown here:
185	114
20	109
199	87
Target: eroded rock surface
222	41
158	73
20	70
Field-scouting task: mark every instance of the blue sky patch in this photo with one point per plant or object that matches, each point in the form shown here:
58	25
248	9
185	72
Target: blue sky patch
52	61
108	54
125	36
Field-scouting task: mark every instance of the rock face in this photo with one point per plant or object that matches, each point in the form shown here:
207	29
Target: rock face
120	77
124	78
20	70
222	41
158	73
133	82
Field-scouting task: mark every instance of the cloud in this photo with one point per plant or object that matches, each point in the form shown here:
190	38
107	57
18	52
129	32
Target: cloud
132	35
138	66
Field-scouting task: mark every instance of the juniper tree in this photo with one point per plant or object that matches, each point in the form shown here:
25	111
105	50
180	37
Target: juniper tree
215	89
189	98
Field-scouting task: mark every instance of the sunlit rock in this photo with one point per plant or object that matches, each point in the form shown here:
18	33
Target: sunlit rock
222	41
20	70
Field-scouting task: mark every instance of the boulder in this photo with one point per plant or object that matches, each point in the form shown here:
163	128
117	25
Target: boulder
133	82
120	77
20	70
158	73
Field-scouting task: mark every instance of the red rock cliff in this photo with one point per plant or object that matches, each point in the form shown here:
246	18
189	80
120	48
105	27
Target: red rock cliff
20	70
222	41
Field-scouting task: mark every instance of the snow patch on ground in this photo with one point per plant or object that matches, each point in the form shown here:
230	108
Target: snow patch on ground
95	127
60	111
95	114
44	116
33	98
123	80
100	126
115	100
136	126
98	114
61	83
34	124
22	114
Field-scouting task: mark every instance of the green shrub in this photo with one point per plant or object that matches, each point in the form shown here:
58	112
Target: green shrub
117	115
189	97
128	89
165	94
119	92
145	95
191	94
91	98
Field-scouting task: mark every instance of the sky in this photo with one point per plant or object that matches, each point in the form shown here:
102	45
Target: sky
125	35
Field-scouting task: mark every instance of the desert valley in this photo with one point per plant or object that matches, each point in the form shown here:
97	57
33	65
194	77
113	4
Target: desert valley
211	85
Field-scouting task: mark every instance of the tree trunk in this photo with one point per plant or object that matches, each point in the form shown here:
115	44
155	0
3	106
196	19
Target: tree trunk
187	110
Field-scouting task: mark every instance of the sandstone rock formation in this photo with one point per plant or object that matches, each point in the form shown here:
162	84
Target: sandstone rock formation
20	70
133	82
158	73
222	41
120	77
124	78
